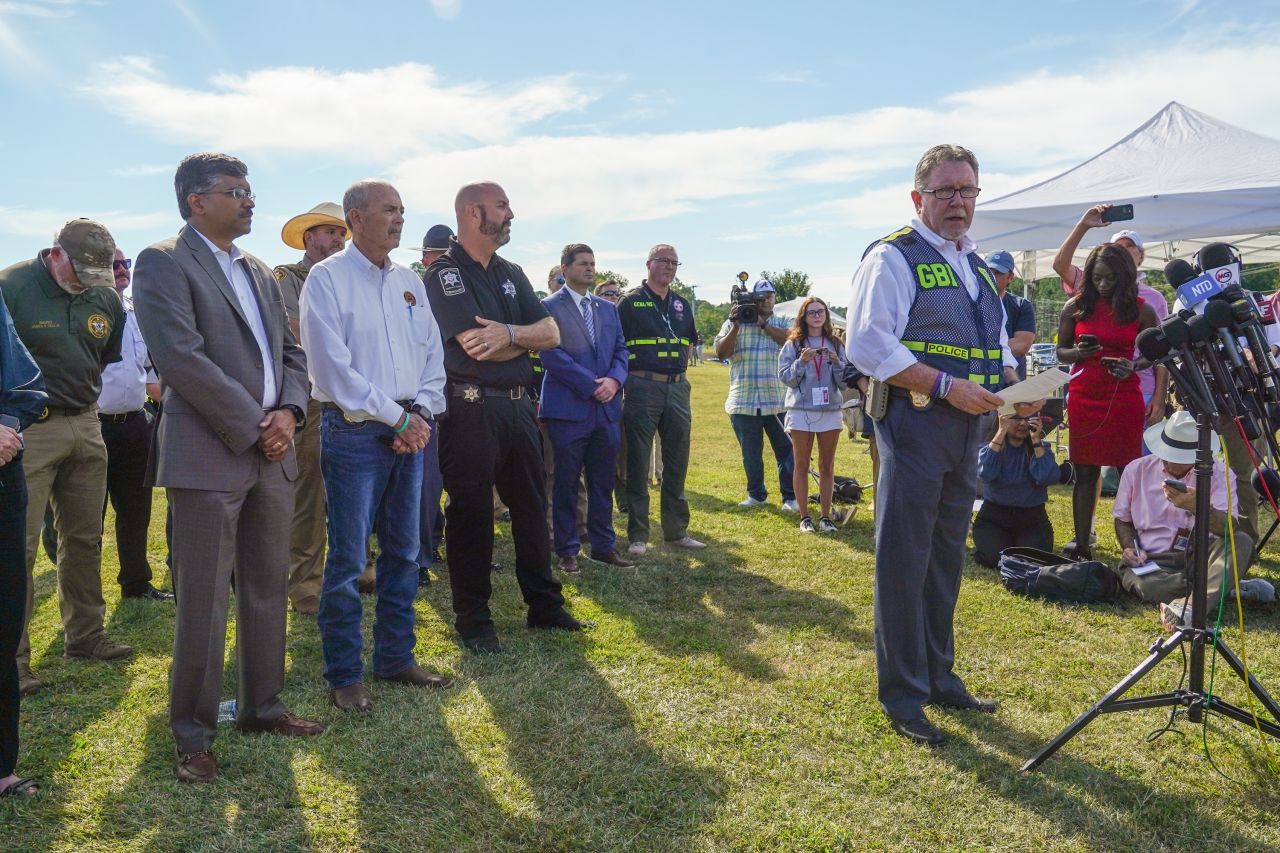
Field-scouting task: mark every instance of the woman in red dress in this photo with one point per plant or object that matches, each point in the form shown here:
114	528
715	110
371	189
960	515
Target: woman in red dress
1105	411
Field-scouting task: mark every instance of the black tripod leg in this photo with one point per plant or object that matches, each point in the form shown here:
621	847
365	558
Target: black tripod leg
1255	686
1167	645
1262	543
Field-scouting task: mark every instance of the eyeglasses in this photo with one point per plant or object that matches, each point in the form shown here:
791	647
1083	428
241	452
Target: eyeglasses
946	193
127	263
610	294
815	312
666	262
238	193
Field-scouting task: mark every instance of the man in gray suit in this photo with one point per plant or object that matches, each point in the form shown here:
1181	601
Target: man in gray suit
235	389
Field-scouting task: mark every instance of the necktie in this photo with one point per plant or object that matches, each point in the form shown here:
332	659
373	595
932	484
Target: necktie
586	317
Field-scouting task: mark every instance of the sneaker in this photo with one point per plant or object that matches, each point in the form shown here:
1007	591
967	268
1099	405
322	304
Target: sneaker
1257	590
825	525
1175	616
105	649
637	548
790	506
806	525
750	502
687	542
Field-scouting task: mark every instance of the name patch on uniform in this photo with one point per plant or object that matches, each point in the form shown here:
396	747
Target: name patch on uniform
451	282
410	298
98	326
509	288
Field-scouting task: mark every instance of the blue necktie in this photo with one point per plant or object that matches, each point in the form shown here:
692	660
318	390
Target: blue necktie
586	317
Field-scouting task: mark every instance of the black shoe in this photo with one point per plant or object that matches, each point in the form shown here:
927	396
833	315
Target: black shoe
558	621
918	730
495	567
424	577
151	594
968	703
488	644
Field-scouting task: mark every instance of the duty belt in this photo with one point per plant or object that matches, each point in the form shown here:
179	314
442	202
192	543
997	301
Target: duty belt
122	417
658	377
475	393
919	402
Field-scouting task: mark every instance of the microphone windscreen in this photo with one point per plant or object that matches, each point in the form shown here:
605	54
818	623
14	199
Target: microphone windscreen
1216	255
1267	475
1175	331
1152	344
1178	272
1200	329
1218	313
1243	311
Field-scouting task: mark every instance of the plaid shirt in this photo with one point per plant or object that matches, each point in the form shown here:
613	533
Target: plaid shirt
754	387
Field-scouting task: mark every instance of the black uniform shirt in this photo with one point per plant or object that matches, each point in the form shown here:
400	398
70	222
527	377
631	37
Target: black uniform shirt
459	289
658	332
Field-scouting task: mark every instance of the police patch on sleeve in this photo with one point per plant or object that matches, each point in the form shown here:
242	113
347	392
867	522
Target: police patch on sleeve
98	326
451	282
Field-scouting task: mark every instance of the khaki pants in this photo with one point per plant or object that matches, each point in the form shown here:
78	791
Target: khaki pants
1242	465
66	465
306	542
1170	584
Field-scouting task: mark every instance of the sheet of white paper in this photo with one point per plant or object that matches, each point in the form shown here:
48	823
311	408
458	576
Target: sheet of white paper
1145	569
1038	387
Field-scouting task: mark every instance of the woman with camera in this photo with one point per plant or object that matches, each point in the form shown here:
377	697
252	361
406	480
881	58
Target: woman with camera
1105	411
1016	468
811	365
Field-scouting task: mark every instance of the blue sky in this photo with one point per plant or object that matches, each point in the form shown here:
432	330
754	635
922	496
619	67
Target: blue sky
749	135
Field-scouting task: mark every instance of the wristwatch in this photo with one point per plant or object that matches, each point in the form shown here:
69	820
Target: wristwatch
298	415
421	411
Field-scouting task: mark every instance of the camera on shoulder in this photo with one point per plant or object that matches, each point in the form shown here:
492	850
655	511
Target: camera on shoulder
746	303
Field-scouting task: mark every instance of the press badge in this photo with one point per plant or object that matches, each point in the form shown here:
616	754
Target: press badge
1181	543
822	396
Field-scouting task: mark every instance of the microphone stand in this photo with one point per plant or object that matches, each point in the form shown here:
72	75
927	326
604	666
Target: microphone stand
1197	635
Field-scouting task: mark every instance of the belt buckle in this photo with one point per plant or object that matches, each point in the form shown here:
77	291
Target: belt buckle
515	393
920	401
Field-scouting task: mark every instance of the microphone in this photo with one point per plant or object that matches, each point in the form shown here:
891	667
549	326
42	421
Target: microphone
1221	316
1177	272
1203	333
1246	320
1173	335
1221	263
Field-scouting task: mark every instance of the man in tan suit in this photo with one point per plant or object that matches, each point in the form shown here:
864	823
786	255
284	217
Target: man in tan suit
319	233
235	388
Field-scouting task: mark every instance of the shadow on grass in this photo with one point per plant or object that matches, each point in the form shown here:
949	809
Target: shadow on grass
698	602
595	781
1130	814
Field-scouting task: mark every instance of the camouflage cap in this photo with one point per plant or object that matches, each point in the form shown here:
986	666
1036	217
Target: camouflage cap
91	249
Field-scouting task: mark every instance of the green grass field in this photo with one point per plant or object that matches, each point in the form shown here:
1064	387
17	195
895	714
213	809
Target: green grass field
725	701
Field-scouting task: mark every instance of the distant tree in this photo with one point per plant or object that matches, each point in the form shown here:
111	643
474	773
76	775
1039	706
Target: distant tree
789	283
709	320
417	267
605	275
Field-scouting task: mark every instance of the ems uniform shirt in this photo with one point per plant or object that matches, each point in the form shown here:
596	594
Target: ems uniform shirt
459	290
71	337
658	331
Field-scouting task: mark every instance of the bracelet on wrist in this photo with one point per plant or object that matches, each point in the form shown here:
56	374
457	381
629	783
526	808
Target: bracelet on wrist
511	334
404	424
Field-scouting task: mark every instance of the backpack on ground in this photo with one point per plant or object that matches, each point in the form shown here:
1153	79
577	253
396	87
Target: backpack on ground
1044	574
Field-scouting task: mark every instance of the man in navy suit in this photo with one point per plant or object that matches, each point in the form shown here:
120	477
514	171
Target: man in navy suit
582	407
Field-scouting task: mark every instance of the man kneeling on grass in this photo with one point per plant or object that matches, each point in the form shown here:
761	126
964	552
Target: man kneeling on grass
1155	515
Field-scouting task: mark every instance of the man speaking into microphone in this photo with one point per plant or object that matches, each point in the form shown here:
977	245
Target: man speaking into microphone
925	318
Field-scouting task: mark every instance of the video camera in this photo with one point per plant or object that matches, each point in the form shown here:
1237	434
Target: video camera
746	303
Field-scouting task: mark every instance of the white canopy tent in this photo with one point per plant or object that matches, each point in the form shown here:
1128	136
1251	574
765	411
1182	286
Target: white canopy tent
1191	179
788	309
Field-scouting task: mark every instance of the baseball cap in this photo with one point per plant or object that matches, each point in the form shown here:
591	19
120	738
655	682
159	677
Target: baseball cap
436	239
91	249
764	286
1132	235
1000	261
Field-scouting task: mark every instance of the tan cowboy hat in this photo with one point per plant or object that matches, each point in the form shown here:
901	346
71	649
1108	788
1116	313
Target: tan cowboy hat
325	213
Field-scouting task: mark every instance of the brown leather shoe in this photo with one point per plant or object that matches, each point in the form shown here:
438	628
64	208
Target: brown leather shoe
307	607
353	697
286	725
568	563
419	677
196	767
28	684
613	558
104	649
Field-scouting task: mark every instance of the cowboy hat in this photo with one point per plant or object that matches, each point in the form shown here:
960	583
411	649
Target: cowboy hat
325	213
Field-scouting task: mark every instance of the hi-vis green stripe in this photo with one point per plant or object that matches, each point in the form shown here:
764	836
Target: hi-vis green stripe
934	348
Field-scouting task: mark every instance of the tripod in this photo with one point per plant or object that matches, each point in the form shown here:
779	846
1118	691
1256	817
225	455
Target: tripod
1193	698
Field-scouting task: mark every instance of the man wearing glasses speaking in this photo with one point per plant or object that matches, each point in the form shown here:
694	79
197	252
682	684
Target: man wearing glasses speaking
925	318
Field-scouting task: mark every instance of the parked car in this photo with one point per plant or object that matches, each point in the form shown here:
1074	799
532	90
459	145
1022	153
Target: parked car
1042	357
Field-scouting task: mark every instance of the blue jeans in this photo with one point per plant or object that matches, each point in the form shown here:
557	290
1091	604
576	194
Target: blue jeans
368	484
751	430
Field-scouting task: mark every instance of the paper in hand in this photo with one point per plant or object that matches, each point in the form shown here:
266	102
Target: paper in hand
1038	387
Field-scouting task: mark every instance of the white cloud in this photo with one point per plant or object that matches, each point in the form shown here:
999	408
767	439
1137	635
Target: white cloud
361	115
44	223
447	9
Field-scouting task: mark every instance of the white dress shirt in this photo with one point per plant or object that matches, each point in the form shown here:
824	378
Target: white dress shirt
370	338
233	267
124	383
883	290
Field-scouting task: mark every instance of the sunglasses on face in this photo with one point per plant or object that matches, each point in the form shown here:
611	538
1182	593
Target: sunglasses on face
127	263
609	294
